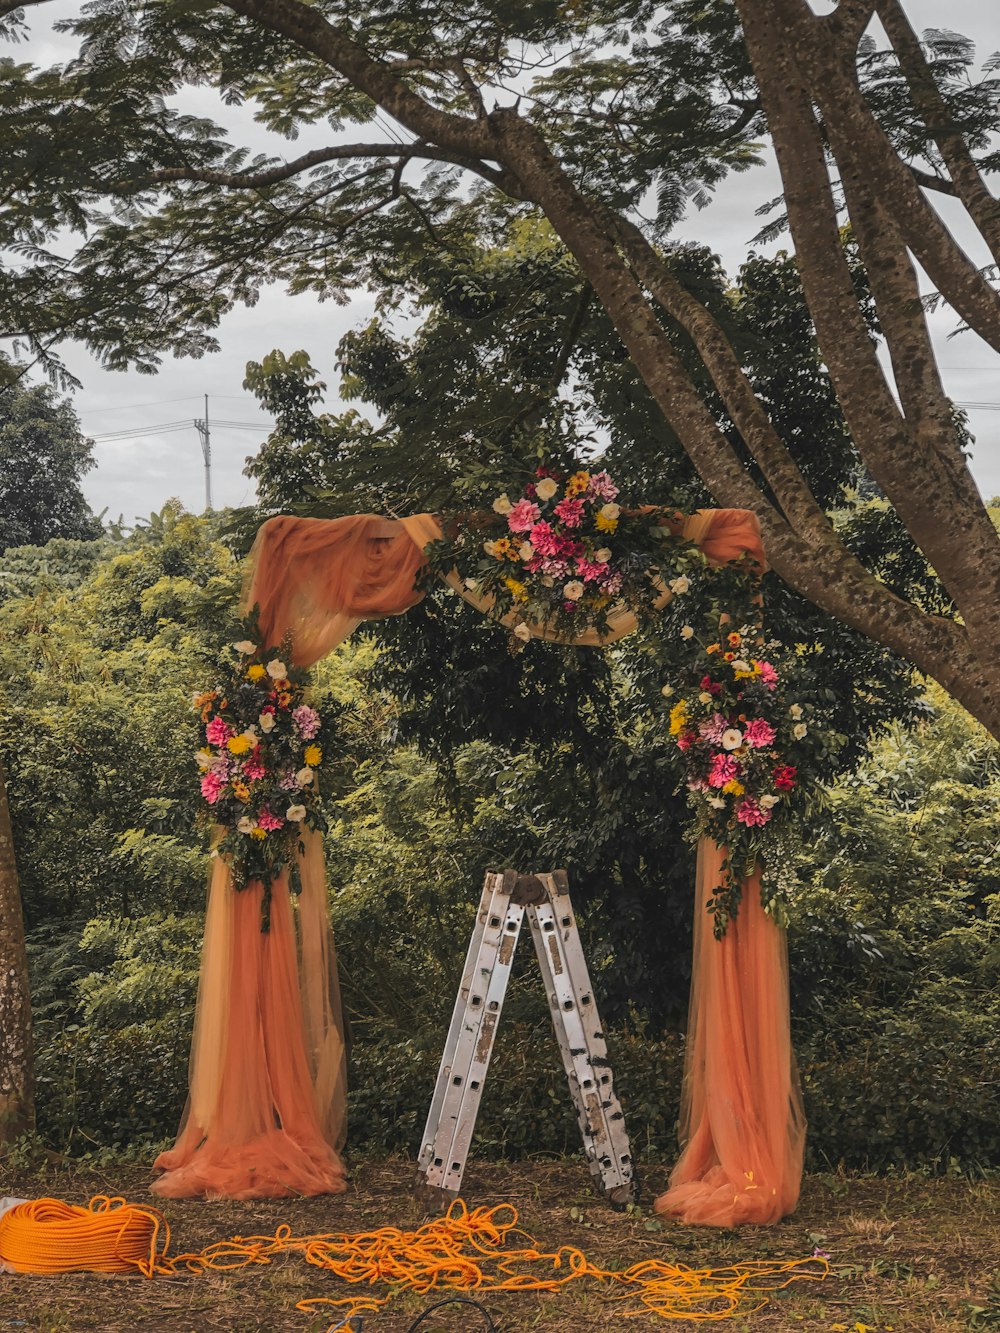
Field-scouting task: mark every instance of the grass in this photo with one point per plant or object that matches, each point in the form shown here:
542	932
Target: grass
913	1254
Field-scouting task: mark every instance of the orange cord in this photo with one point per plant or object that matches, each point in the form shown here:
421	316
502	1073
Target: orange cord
462	1251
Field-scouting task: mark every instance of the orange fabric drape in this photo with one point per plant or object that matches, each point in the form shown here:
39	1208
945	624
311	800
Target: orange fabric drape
742	1122
267	1104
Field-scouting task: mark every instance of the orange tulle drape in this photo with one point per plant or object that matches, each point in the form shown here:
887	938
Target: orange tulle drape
742	1123
266	1112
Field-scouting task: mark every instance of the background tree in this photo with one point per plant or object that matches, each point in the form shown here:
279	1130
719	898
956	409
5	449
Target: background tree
606	119
43	456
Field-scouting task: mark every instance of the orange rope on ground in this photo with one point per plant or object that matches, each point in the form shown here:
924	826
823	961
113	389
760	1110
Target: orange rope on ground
465	1250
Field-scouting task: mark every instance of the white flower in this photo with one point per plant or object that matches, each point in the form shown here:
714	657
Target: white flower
717	803
687	632
266	721
471	584
245	825
296	813
704	697
251	735
526	551
277	670
548	581
522	632
304	777
602	556
667	691
799	730
546	488
680	585
768	802
202	759
611	511
796	712
732	738
490	548
502	504
573	591
245	647
740	664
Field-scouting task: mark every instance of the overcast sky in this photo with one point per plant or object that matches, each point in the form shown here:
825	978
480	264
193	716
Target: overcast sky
137	473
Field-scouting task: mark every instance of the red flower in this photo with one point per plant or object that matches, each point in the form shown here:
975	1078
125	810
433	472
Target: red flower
783	777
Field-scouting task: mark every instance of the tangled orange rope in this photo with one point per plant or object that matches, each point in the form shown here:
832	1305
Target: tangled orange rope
462	1251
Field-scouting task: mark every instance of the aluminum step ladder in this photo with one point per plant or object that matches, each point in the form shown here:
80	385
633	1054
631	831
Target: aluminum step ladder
458	1092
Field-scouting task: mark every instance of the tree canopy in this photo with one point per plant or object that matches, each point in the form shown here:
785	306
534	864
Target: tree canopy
434	130
43	456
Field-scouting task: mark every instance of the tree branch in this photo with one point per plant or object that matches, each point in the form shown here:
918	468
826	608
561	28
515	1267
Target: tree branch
967	182
849	21
317	157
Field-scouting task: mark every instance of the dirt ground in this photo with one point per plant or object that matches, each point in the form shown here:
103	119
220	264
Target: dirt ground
905	1254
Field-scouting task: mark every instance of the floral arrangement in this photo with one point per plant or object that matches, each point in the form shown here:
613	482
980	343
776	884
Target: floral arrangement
258	762
564	552
747	749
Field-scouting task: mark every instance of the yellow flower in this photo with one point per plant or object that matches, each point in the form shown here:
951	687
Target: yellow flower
605	524
678	717
712	648
258	833
242	791
578	483
313	755
256	672
239	744
518	589
734	788
743	675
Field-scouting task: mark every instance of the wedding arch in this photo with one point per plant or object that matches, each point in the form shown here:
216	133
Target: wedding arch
266	1111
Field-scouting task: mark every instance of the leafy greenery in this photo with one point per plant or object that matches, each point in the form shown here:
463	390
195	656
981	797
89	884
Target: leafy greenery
43	456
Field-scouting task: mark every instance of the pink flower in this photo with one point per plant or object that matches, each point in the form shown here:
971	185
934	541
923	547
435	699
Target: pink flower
713	729
571	606
307	721
266	820
749	812
288	781
557	568
254	766
589	571
685	739
218	732
768	675
613	582
697	784
570	511
543	539
758	733
602	487
724	768
211	787
523	517
710	686
219	765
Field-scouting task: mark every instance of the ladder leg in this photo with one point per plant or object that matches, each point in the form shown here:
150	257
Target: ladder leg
581	1041
466	1058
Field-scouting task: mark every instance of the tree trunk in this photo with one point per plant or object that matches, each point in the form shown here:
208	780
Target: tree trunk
17	1082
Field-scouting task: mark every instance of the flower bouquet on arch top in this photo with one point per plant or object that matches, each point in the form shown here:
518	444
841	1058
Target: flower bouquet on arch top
751	744
562	553
262	747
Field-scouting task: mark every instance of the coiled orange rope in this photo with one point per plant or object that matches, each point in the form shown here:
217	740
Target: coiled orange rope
465	1250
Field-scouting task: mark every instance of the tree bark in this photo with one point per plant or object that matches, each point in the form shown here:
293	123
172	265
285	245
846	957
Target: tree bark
16	1061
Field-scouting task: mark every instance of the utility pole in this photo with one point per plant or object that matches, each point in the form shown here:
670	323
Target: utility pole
206	448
